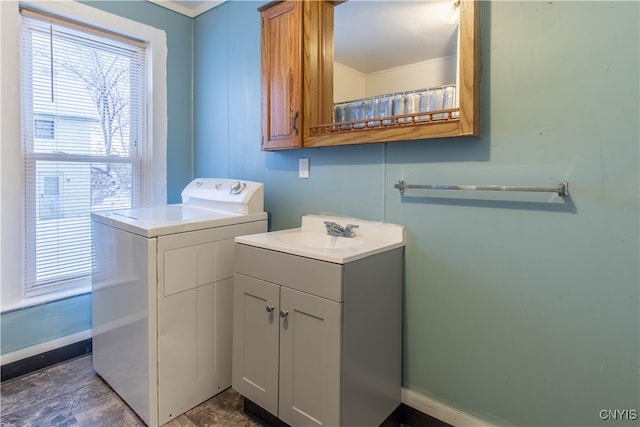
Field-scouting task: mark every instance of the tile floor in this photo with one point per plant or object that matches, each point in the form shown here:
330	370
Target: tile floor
71	394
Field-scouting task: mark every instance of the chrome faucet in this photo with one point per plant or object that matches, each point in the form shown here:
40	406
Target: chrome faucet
348	231
334	229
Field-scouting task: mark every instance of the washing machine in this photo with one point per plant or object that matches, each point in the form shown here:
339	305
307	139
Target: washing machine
162	289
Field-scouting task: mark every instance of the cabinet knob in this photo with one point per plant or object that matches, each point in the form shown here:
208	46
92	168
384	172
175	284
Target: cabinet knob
284	313
270	308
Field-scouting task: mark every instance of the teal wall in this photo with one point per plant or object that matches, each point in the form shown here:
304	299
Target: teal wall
520	308
41	323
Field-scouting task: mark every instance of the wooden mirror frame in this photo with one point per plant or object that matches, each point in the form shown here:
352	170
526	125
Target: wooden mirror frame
318	86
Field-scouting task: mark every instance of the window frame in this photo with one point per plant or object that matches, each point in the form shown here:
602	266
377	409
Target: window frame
53	261
11	235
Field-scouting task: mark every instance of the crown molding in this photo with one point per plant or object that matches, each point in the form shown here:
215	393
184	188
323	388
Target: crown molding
181	8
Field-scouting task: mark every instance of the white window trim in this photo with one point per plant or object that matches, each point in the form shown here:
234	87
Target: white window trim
11	179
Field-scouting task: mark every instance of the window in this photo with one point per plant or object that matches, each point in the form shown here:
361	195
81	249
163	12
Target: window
83	98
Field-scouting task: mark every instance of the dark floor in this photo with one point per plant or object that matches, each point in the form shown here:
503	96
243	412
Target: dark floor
71	394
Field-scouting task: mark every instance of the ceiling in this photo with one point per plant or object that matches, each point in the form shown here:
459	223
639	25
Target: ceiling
191	8
373	35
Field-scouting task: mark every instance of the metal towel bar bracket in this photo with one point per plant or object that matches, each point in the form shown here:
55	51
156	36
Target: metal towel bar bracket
561	187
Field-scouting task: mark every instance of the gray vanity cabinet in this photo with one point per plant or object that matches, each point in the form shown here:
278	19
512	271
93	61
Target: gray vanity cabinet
318	343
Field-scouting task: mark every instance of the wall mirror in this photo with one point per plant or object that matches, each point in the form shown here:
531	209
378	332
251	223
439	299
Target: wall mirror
402	70
386	47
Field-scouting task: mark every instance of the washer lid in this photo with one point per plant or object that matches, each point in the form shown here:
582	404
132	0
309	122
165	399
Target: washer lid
170	219
232	195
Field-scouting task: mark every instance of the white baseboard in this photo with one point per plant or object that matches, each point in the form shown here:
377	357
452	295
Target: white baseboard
44	347
441	411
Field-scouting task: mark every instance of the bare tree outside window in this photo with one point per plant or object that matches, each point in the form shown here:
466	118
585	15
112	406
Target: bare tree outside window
106	79
104	76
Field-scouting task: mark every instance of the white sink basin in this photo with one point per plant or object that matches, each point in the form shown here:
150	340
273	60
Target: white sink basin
311	239
317	240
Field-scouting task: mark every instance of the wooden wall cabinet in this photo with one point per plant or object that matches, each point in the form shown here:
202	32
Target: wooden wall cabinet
297	82
297	57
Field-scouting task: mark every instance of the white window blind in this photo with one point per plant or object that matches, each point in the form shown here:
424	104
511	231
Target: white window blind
83	98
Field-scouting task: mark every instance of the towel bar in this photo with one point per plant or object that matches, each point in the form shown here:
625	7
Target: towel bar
561	187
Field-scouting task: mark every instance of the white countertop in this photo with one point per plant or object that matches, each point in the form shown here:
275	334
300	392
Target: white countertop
311	239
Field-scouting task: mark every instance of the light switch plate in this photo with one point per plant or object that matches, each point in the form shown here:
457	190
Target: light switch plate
303	167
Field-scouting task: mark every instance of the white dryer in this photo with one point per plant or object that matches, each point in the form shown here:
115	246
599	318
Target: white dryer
162	286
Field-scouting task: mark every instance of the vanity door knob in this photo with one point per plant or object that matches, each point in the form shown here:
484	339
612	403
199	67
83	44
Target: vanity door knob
284	313
270	308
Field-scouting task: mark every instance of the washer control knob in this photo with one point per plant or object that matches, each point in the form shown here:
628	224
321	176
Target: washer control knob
236	187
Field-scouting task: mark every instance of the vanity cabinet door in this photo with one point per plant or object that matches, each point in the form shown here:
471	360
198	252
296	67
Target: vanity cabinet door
310	351
256	340
281	75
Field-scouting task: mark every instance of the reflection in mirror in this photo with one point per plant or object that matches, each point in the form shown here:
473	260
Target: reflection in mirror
395	58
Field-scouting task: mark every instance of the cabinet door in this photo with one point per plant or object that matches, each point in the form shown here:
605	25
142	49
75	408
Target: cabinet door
255	341
309	359
281	75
